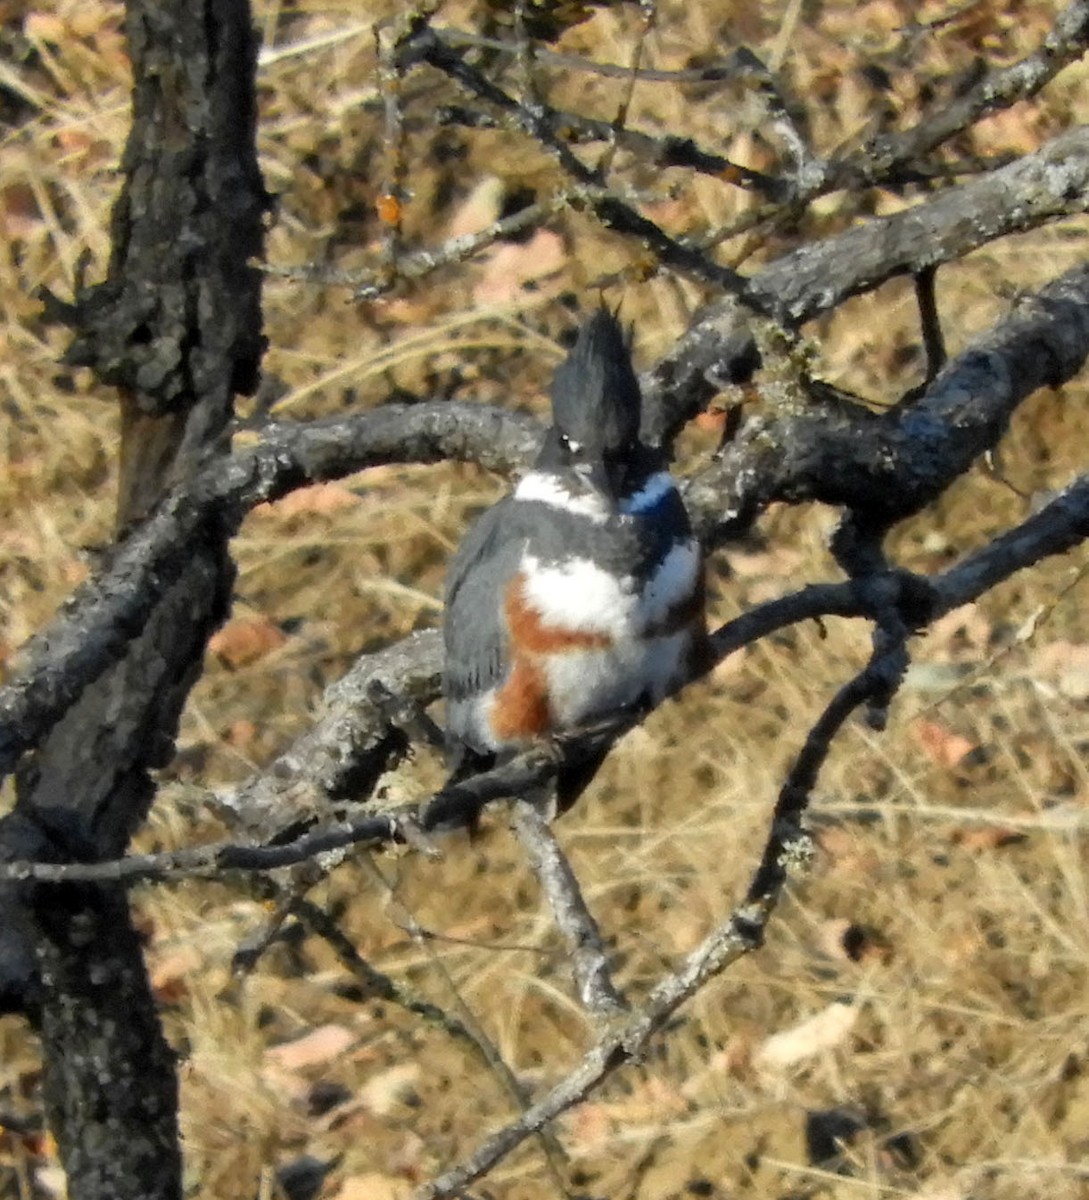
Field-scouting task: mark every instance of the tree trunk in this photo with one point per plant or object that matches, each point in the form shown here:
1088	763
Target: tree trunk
176	327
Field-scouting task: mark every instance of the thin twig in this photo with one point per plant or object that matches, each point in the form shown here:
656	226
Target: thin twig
418	264
619	121
589	958
426	45
391	202
930	322
377	984
786	849
669	150
488	1052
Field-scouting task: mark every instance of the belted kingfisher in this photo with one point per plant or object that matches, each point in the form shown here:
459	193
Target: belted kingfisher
581	592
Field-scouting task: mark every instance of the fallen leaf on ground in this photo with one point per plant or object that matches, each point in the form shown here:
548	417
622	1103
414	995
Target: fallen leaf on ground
1066	664
986	837
941	744
514	264
382	1093
319	1046
823	1031
245	640
479	209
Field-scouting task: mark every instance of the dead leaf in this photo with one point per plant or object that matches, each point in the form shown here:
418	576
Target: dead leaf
319	1046
977	838
511	266
824	1031
1066	664
941	744
245	640
315	500
170	973
384	1092
479	209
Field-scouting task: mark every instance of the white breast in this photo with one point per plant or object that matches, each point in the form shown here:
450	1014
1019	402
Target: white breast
588	683
579	595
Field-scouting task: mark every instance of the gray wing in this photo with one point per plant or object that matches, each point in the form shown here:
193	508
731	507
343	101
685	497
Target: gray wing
474	635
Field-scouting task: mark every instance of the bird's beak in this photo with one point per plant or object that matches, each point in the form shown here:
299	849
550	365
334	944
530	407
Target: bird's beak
605	475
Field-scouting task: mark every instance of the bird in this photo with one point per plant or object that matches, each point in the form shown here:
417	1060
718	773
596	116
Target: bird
580	594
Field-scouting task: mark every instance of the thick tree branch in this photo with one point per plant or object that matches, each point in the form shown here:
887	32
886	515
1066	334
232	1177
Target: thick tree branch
887	466
801	285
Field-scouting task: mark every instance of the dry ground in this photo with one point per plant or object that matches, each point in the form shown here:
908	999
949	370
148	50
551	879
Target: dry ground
933	966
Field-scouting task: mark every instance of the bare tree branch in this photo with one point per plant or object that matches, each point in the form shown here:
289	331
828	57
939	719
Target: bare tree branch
889	465
787	848
883	156
427	45
800	285
589	959
1050	183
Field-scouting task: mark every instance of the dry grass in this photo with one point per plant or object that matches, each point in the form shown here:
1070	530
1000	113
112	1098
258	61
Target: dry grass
954	841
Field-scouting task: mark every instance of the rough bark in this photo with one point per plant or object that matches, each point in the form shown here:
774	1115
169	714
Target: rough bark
175	327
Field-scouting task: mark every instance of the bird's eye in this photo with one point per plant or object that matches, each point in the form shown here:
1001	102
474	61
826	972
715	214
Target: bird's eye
570	446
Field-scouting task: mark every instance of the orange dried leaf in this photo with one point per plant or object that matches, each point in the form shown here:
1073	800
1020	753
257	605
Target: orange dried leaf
978	838
319	1046
941	744
245	640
